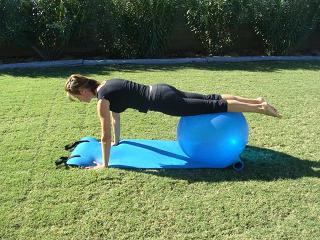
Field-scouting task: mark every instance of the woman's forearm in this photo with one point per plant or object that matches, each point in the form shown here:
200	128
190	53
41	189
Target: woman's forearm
105	147
104	115
116	127
116	132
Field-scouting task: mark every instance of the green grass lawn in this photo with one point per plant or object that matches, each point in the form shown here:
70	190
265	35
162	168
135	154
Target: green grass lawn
277	196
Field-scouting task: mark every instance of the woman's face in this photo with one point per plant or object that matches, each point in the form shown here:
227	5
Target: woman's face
84	96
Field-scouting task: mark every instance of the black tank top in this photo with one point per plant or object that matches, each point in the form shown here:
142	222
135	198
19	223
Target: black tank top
123	94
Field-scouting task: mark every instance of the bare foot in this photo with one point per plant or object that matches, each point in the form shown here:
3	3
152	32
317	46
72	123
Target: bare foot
274	109
269	110
260	100
263	100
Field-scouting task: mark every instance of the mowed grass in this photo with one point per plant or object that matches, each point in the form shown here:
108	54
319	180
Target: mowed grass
276	196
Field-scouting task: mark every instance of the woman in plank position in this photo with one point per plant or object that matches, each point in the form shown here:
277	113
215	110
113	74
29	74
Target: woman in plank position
116	95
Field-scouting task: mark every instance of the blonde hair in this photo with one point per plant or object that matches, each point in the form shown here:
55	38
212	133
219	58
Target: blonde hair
77	81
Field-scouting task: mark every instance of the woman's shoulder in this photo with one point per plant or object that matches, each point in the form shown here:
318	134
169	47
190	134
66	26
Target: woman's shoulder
112	81
111	85
116	81
101	85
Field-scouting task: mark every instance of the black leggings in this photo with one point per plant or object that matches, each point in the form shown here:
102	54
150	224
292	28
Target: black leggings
169	100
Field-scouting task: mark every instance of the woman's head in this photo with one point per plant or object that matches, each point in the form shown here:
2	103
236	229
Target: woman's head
81	87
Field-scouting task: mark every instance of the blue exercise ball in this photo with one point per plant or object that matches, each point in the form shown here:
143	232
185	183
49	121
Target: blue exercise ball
217	138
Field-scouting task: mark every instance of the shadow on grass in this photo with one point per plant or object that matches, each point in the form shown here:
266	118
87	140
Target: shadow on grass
260	164
64	72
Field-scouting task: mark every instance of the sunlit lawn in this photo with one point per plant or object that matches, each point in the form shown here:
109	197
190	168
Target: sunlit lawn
276	196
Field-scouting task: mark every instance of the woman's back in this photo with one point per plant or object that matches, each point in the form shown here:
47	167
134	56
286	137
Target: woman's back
123	94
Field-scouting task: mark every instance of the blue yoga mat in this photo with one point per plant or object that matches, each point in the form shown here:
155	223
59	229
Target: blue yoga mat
136	153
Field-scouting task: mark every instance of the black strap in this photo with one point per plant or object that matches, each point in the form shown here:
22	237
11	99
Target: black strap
71	147
63	160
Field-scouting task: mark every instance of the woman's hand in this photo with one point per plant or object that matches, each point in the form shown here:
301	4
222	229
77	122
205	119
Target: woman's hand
100	165
114	143
96	167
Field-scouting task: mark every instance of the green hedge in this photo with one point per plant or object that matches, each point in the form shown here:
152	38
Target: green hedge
216	23
125	28
141	28
45	26
282	24
11	22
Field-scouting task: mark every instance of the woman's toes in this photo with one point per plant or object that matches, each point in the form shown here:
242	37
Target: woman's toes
269	110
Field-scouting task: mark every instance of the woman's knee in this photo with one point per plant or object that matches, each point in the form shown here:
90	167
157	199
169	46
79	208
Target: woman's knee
228	97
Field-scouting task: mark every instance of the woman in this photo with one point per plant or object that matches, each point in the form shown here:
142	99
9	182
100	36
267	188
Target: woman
117	95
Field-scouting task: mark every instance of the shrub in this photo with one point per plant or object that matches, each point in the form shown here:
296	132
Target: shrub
216	22
12	22
141	28
44	26
106	27
3	25
92	23
283	24
50	28
144	26
123	28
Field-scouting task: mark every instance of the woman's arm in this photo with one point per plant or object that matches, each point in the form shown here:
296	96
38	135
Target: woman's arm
104	115
116	127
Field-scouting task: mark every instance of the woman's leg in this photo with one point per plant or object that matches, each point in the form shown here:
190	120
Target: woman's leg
250	105
200	96
179	103
263	108
172	101
242	99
